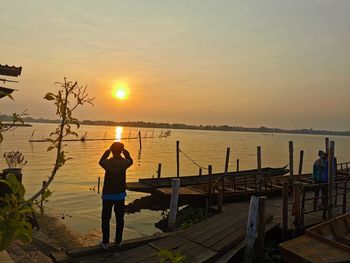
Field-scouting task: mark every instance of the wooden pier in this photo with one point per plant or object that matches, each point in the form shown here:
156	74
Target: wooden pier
213	239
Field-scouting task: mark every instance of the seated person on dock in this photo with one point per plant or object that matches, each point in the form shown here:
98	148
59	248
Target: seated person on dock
318	177
114	187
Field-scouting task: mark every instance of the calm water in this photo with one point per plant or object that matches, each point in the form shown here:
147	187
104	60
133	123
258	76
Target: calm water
72	196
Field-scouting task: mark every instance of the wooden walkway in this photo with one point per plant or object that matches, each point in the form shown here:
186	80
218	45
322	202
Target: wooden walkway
206	241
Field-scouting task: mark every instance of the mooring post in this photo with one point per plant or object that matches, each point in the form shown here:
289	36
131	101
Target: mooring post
98	184
261	229
296	207
344	197
175	187
140	140
258	157
291	164
326	141
220	199
200	171
210	170
159	170
225	174
301	159
251	231
177	158
237	165
331	172
285	211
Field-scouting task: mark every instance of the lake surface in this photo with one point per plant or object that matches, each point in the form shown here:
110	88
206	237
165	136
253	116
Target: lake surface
73	199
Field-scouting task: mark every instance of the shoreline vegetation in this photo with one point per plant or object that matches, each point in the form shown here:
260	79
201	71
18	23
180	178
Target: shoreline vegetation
143	124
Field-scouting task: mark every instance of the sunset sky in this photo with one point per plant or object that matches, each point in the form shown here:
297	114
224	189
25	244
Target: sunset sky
249	63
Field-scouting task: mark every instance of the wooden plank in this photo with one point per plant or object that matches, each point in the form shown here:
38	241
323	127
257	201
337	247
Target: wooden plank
128	244
309	249
133	255
184	190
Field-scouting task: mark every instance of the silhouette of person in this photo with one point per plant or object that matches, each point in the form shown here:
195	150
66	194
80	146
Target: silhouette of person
114	190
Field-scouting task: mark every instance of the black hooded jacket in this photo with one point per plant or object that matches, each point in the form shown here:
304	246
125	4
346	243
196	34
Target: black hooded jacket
115	167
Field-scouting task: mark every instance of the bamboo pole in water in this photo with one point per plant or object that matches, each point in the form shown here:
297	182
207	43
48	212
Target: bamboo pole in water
177	159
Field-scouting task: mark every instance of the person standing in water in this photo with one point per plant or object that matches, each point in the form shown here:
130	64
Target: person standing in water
114	190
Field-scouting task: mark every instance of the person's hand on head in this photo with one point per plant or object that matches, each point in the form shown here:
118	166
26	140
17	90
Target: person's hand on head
126	153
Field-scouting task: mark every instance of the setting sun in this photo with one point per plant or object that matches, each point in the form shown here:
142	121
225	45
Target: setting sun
120	91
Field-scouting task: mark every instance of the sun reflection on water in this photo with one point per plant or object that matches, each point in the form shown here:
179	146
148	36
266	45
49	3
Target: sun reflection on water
118	133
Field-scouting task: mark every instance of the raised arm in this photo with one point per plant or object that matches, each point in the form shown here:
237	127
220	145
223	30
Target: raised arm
104	157
128	157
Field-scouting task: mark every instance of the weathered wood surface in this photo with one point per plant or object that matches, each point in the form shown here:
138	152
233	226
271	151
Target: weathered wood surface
309	249
207	240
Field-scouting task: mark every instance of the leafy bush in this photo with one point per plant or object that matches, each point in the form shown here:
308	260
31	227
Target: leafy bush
13	211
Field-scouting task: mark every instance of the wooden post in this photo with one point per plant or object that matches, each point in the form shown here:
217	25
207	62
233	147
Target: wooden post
344	197
331	172
326	141
251	231
220	199
225	173
237	165
301	159
140	140
209	183
177	159
159	170
200	171
291	164
285	212
296	207
258	157
42	195
261	229
98	184
175	187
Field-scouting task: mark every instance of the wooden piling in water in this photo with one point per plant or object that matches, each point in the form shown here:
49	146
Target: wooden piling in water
301	159
285	211
200	171
140	140
175	187
291	164
210	171
159	170
326	141
223	178
331	172
98	184
177	159
258	157
237	164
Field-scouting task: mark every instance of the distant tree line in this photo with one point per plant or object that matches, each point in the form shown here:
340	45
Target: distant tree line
162	125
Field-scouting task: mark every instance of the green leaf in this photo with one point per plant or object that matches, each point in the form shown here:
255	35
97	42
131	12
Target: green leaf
50	148
50	96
